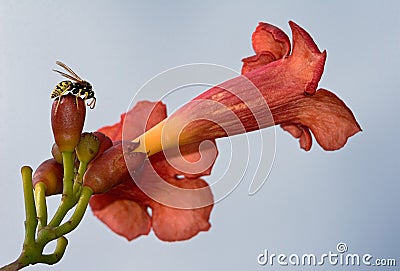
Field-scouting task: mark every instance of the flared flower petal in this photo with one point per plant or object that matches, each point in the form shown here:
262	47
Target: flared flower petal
192	161
329	119
139	119
125	217
270	43
269	38
173	224
124	210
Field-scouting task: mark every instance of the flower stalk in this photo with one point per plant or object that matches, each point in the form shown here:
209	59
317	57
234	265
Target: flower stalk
36	238
37	233
68	199
30	210
41	206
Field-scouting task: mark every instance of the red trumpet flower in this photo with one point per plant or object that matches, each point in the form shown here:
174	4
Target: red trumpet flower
278	86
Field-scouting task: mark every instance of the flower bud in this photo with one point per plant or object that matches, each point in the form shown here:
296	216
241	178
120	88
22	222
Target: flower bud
67	119
50	172
55	151
110	169
105	143
87	148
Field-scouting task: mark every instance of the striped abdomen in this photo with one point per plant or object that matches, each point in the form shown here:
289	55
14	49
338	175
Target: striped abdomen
61	88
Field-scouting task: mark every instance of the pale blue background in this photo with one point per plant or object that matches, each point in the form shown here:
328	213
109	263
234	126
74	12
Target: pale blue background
311	201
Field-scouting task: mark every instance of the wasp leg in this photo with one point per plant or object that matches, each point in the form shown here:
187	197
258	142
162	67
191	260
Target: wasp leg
76	101
58	103
92	104
78	95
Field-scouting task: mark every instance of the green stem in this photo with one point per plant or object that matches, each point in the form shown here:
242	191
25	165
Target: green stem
68	199
79	179
32	252
33	255
59	251
41	206
14	266
49	233
30	210
77	216
68	181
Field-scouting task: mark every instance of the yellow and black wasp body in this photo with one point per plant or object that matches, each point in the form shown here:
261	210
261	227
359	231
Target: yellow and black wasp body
77	86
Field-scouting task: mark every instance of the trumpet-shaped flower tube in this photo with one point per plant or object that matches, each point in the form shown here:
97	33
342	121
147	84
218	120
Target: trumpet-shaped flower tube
276	88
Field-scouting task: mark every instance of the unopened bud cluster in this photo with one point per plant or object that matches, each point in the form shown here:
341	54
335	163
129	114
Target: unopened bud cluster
105	163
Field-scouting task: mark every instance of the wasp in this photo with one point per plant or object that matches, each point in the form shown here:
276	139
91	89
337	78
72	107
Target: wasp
77	86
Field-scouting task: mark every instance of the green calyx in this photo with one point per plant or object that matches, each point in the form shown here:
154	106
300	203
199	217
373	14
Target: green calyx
87	148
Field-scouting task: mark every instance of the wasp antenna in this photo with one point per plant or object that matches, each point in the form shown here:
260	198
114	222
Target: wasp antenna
68	76
59	63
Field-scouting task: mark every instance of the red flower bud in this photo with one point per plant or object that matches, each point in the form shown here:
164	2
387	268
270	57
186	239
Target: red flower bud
105	143
110	169
67	119
55	151
50	172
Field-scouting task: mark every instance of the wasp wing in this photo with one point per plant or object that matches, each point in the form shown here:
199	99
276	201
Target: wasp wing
68	76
